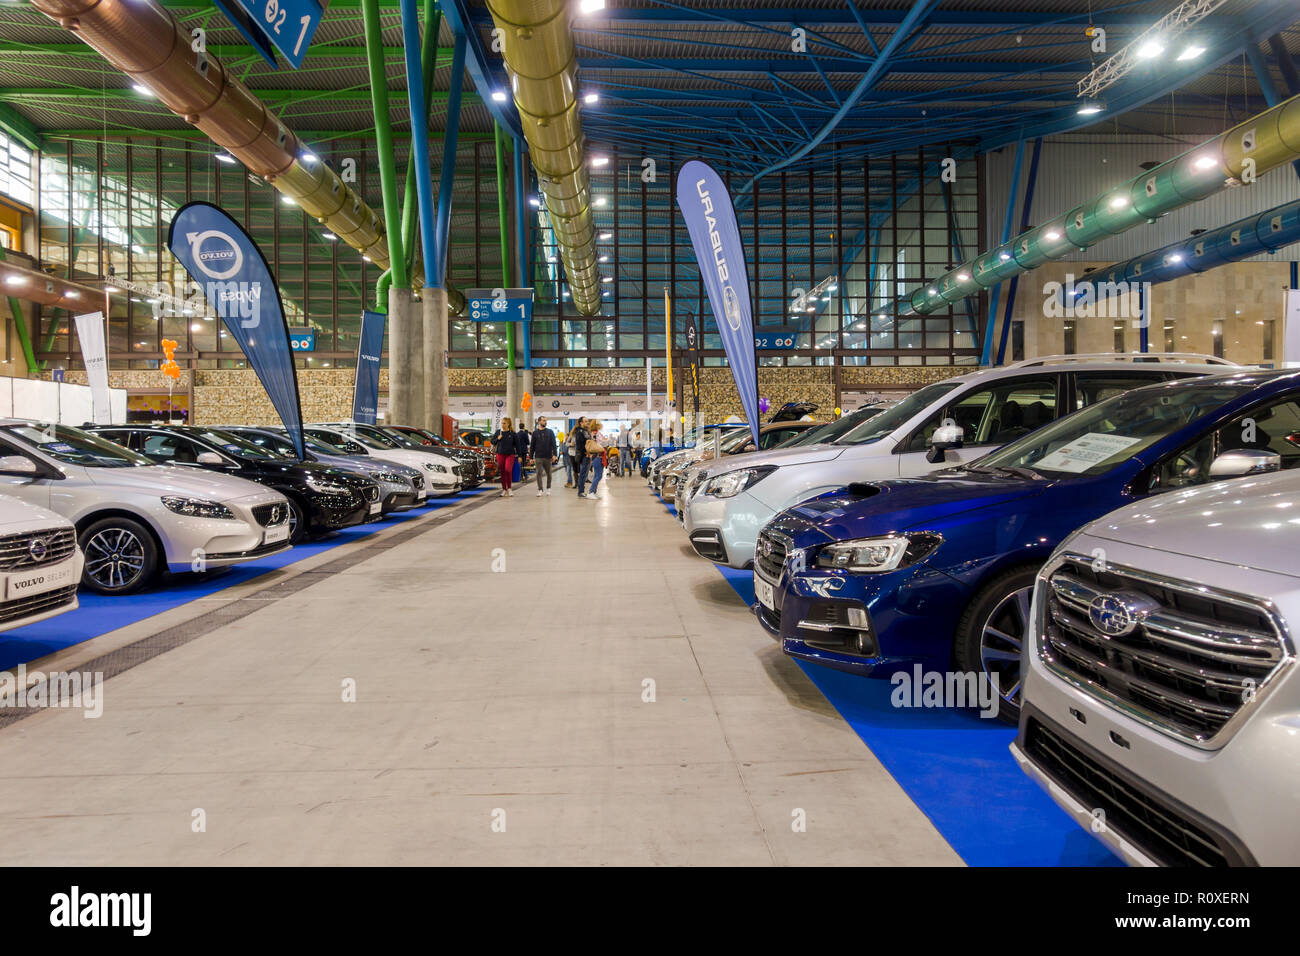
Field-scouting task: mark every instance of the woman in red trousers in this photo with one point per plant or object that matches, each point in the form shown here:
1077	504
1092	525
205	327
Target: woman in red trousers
506	443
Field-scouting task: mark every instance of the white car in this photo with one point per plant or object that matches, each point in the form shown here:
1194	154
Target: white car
40	564
134	518
439	470
948	423
1161	705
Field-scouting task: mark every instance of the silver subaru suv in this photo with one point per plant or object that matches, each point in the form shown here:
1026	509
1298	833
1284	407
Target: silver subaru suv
1161	709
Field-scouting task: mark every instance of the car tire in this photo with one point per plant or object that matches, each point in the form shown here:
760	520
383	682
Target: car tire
991	633
121	556
298	524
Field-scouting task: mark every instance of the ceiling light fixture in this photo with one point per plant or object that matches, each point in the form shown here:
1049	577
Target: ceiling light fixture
591	6
591	98
1190	52
600	160
225	158
142	89
1091	107
499	96
606	236
1150	49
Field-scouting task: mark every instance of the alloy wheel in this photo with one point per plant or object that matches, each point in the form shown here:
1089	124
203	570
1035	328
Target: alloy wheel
115	558
1001	639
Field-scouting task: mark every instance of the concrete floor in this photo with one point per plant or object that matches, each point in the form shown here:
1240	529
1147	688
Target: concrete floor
481	696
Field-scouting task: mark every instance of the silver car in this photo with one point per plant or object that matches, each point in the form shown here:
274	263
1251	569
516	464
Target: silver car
134	518
1161	706
441	473
40	563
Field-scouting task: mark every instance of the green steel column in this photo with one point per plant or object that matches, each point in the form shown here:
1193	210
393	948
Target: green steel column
428	63
381	290
384	140
505	239
20	326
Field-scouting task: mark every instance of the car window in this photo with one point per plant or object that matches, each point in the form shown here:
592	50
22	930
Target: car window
776	436
72	446
171	448
1093	387
878	426
995	414
237	445
1274	428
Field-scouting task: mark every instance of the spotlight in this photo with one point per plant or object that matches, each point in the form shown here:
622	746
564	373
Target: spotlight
1118	202
606	236
535	202
288	200
1004	256
15	280
1052	236
308	157
1150	50
329	235
1190	52
1091	107
1205	162
591	98
225	158
591	6
607	279
142	89
963	277
600	160
600	202
499	96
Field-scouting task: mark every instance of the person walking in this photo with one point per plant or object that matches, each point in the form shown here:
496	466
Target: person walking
625	452
599	456
582	462
522	441
543	452
568	460
638	449
506	443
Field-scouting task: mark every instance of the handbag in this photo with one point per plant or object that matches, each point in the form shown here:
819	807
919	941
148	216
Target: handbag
594	447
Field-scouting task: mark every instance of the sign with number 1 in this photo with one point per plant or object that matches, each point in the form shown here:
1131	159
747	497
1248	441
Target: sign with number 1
270	25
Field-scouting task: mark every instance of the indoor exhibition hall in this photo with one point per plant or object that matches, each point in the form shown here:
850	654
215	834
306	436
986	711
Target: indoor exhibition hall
621	433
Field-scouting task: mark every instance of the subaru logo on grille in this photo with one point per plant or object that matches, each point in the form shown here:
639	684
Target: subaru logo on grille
1118	614
765	546
37	549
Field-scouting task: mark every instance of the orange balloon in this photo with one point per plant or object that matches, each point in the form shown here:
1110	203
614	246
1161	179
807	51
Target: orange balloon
527	401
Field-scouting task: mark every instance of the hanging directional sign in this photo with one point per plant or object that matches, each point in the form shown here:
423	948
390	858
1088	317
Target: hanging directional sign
270	25
779	339
499	305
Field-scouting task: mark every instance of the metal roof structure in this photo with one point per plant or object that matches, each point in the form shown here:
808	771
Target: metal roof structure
752	86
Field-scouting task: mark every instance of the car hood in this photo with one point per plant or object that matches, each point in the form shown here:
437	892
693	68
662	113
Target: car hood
180	480
776	456
899	504
1249	522
17	516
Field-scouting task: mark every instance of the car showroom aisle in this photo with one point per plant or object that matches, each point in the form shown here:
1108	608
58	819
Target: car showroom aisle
500	659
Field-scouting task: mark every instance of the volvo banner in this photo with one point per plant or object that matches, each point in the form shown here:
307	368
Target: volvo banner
90	333
711	222
232	272
365	394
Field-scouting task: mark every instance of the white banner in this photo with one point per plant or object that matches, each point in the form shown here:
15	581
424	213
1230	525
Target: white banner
498	412
1291	329
90	333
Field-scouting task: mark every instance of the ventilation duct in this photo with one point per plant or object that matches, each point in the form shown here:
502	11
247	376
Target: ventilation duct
1239	155
539	56
20	282
1255	235
144	41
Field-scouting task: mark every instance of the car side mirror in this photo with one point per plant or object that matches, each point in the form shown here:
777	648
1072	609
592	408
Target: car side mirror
1245	461
947	435
18	466
209	458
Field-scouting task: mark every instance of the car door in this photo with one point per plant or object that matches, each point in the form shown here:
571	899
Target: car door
989	415
1272	427
168	448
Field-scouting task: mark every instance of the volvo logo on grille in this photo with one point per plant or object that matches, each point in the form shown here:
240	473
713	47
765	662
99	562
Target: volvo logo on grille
37	549
276	515
1118	614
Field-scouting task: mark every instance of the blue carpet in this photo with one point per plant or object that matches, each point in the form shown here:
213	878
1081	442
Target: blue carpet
99	614
956	768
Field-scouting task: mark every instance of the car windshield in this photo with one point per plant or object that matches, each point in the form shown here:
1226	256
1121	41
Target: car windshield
733	440
876	427
831	431
72	446
236	444
402	439
1096	439
373	437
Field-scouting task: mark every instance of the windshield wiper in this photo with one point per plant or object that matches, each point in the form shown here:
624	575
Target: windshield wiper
1016	471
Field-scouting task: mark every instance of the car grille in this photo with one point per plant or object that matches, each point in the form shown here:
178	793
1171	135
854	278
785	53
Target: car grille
1193	661
268	515
34	548
1143	818
694	486
37	603
769	556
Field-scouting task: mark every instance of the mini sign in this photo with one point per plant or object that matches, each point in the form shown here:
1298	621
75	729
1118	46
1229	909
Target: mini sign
270	25
769	341
499	305
302	340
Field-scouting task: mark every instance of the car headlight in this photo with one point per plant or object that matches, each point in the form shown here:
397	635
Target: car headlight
328	487
435	467
391	478
197	507
734	482
876	555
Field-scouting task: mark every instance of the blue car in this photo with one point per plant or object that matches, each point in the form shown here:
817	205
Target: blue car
938	570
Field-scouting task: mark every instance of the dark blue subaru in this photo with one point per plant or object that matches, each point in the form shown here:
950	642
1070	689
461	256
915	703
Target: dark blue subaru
938	570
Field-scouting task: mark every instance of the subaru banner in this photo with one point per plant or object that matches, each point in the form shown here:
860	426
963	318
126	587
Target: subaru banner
365	394
232	272
711	222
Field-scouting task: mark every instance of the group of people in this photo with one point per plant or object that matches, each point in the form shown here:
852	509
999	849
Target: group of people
587	455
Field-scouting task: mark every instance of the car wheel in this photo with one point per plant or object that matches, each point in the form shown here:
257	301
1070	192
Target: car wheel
298	525
992	632
121	556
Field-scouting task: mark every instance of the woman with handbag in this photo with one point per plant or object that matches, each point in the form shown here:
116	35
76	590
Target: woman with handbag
506	447
599	455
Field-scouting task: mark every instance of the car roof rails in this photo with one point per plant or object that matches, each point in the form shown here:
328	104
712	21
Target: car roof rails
1132	358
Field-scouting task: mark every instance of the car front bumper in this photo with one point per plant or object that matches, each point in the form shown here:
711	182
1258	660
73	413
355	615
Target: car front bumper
25	608
195	544
730	525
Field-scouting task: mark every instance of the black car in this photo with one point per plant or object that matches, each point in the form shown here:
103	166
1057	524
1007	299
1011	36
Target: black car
321	498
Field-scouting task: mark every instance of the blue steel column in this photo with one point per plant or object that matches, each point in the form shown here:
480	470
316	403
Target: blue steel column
996	294
522	279
1025	212
419	132
448	179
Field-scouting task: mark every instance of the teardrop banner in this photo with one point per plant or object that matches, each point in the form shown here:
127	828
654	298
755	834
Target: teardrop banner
365	392
229	267
715	235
